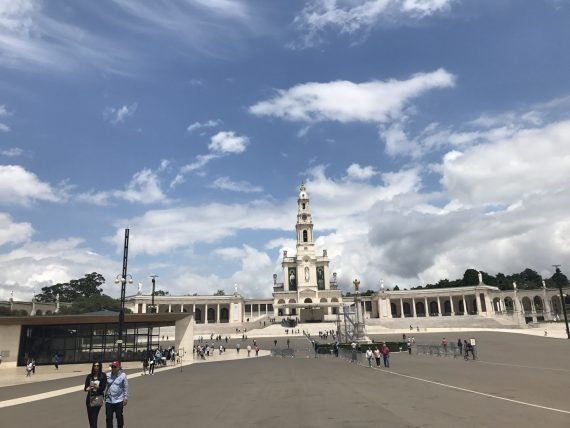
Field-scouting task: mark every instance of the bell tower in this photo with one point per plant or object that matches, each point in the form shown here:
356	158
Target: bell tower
304	226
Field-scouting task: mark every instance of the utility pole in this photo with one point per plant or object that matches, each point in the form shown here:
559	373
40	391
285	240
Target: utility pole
153	285
149	329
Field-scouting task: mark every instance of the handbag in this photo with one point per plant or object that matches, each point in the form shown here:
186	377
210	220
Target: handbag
96	401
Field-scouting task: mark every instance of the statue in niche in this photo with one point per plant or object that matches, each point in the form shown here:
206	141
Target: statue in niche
306	273
292	279
321	278
284	253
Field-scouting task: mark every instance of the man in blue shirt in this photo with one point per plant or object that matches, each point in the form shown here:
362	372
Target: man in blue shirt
117	394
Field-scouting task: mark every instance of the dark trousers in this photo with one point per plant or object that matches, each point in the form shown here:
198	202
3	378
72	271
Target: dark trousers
386	361
151	368
92	414
116	408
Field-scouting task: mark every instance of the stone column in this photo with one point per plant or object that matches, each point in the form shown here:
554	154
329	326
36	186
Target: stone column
169	307
144	308
206	313
258	310
181	307
426	306
157	308
451	305
218	313
401	308
414	314
438	307
478	302
464	305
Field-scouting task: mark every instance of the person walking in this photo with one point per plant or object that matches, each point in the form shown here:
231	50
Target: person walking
275	343
444	344
237	348
257	351
466	347
409	346
248	350
95	386
460	346
386	355
151	364
369	357
377	356
117	395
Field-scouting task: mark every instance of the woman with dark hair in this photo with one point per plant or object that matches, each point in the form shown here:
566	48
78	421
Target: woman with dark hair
95	385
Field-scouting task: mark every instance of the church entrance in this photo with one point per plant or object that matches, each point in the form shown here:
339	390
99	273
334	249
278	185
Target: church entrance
312	315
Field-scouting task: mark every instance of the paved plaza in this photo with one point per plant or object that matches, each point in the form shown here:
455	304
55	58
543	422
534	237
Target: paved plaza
518	380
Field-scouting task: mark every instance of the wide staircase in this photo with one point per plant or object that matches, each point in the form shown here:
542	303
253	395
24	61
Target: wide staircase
469	321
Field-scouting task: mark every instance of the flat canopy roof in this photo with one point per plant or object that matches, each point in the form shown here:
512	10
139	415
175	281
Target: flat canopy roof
165	318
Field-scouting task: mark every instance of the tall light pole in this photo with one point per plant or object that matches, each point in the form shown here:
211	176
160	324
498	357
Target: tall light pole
123	279
153	279
152	311
560	280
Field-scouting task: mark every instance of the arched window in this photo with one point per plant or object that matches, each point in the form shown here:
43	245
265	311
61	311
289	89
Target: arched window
305	236
303	205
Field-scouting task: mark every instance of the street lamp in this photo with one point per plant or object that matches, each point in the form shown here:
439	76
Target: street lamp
562	280
152	311
122	279
153	279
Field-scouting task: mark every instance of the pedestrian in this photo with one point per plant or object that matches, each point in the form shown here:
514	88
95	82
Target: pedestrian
257	351
237	348
369	357
386	355
144	365
377	356
248	350
151	364
117	395
95	386
29	368
466	348
287	343
444	344
0	358
56	360
460	346
275	343
409	346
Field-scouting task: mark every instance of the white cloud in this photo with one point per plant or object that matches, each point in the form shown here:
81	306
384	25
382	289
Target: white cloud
13	233
199	125
228	142
143	188
344	101
31	37
12	152
352	16
3	110
117	115
357	172
21	187
40	264
530	162
225	183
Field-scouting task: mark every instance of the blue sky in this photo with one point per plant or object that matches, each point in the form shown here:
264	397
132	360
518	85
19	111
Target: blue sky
433	135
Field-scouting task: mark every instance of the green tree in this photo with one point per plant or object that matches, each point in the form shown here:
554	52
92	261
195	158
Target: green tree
559	278
161	293
471	277
396	288
88	286
220	293
97	303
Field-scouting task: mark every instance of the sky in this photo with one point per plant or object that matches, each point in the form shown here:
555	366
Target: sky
433	137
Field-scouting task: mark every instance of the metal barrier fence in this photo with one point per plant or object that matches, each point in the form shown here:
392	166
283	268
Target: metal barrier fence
451	350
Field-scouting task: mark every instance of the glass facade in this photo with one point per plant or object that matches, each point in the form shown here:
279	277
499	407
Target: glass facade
82	343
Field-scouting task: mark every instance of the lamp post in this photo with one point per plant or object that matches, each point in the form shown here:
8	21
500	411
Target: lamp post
122	279
153	279
560	279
